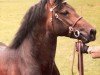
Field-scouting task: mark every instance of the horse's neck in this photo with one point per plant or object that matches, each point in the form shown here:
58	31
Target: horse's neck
40	47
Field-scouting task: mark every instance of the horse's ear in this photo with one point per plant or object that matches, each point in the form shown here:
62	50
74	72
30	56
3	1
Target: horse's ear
52	2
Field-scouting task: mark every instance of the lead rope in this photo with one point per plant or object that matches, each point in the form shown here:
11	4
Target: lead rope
78	46
72	72
80	58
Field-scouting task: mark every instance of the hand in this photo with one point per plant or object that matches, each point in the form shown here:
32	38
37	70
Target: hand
94	49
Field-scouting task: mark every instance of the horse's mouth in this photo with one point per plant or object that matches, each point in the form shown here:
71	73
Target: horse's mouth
86	39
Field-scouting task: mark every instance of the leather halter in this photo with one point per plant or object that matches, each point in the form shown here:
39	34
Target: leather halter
77	21
71	28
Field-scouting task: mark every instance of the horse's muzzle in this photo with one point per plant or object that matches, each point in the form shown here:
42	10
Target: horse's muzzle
85	38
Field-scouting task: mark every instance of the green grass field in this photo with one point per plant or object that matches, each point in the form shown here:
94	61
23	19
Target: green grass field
12	12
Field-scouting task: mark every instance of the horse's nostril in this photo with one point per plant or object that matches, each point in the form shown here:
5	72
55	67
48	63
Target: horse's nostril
92	34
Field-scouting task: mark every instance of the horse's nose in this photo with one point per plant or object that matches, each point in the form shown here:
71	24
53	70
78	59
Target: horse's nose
92	34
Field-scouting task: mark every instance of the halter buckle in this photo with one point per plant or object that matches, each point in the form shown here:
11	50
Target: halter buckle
70	29
51	9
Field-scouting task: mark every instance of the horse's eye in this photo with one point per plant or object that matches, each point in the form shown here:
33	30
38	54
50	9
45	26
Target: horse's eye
64	13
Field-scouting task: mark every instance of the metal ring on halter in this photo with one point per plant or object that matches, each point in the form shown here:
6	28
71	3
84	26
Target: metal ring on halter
51	9
56	15
76	33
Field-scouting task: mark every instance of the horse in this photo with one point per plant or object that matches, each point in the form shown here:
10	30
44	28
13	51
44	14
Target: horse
32	51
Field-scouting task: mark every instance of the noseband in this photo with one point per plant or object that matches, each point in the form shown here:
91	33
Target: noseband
71	28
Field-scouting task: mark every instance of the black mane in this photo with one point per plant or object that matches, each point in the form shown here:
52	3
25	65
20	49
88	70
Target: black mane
34	16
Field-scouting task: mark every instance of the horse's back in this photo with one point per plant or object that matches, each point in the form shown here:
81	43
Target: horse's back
2	46
3	66
2	49
8	65
2	43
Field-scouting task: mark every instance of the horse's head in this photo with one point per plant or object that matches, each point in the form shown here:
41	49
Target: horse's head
64	21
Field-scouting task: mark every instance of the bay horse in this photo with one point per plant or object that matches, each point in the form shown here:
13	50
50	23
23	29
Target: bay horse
33	49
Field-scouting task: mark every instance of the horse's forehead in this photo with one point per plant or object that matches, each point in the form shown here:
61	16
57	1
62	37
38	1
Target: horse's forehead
68	7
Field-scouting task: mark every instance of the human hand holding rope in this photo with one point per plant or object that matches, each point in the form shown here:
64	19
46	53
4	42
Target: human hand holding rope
94	50
82	48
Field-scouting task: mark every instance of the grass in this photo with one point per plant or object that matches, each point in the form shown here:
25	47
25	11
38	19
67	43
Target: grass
12	12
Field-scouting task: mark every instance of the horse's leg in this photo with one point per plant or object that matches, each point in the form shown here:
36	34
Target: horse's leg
55	70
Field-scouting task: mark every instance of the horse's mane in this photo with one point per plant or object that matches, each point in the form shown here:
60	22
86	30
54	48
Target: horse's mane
33	17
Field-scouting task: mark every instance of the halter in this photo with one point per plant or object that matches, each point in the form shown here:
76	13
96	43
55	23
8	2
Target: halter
71	28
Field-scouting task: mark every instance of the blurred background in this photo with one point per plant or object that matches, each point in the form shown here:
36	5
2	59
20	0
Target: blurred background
12	12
